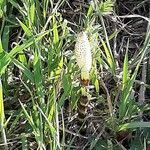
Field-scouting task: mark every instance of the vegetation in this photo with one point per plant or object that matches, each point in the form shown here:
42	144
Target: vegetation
40	79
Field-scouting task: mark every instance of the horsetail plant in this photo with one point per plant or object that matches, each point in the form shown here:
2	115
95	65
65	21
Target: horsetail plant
84	61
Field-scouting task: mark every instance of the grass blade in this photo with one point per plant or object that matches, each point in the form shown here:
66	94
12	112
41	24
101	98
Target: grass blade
134	125
4	62
2	116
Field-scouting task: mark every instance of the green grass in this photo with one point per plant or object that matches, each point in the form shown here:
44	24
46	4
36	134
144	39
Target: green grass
39	77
